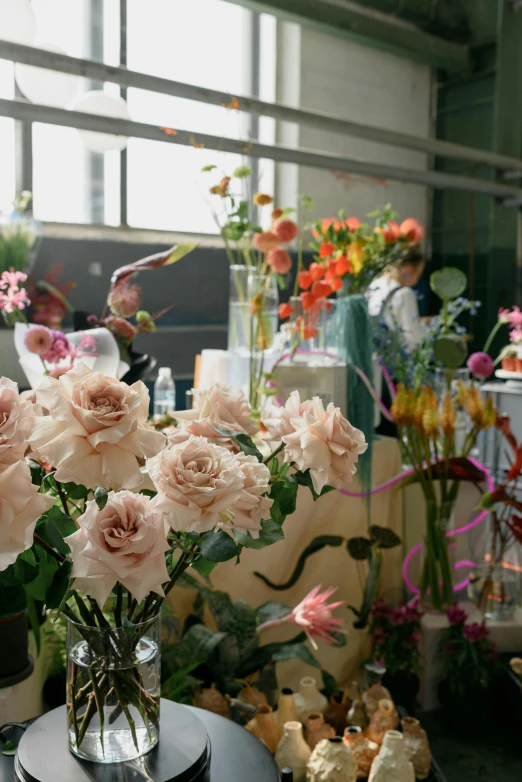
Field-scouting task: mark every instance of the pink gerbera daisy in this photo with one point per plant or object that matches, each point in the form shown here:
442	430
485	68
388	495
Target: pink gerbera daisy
38	339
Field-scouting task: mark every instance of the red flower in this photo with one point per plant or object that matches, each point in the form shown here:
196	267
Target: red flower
343	266
412	230
316	271
305	280
308	300
285	311
336	284
285	230
326	250
320	290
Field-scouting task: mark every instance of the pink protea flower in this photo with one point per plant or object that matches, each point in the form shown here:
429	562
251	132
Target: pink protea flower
285	230
266	241
314	616
38	339
279	260
125	300
481	365
456	615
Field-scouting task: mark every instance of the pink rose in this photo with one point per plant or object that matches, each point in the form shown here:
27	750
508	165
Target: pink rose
198	428
278	421
20	508
125	542
252	506
222	407
95	430
15	415
198	484
279	260
324	442
265	241
285	230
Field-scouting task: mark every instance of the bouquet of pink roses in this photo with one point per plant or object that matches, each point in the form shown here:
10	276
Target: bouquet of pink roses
101	514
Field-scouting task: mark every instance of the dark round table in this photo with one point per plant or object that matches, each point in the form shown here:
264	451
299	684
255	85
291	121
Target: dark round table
182	754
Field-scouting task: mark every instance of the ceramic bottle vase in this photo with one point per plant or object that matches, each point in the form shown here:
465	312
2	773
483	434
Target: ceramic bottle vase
316	729
391	764
264	727
337	710
372	696
363	750
286	708
331	761
357	713
309	699
210	698
416	746
384	719
293	751
252	695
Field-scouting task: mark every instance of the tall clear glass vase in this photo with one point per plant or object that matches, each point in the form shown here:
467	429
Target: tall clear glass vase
436	585
252	310
113	690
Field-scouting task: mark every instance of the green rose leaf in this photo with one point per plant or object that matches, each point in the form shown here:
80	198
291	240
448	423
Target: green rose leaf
101	496
54	526
271	532
59	586
203	566
219	547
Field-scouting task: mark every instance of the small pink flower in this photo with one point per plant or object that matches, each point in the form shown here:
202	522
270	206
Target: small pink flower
12	279
87	342
515	318
481	365
504	315
279	260
125	300
314	615
456	615
516	336
475	632
59	349
38	339
285	230
58	371
14	299
266	241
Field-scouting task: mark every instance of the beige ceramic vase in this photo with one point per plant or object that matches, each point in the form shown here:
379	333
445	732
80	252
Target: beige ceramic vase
286	708
316	729
264	727
252	695
391	764
384	719
416	746
337	710
309	699
293	751
331	761
210	699
363	750
372	696
357	713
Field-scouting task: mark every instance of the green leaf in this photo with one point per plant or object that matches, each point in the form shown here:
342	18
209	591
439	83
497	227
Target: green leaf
101	496
245	443
451	350
271	533
284	494
37	589
54	526
60	585
359	548
218	547
448	283
316	545
197	644
329	681
9	749
25	567
291	651
9	578
34	622
305	479
208	168
76	491
272	610
384	537
204	566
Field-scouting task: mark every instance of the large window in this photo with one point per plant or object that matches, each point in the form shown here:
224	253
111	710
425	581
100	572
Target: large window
210	43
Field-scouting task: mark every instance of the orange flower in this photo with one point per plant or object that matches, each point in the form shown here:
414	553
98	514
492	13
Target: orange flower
448	416
411	230
325	224
316	271
326	250
223	186
430	420
265	241
305	280
285	230
343	266
336	284
307	300
320	290
262	199
352	223
285	311
279	260
277	213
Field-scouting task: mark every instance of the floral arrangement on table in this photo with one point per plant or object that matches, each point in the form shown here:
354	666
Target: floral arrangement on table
427	429
467	653
49	303
18	243
482	365
259	263
86	532
395	635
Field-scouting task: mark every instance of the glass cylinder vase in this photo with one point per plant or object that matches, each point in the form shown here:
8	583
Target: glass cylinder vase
436	586
252	310
113	690
495	588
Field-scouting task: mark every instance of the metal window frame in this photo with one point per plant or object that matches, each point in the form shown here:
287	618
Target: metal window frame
510	195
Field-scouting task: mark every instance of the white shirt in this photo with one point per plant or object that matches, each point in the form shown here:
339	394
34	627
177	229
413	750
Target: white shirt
401	311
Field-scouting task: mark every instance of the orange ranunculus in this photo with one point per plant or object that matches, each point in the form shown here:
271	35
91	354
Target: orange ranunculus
316	271
262	199
285	230
285	311
307	300
336	284
352	223
277	213
279	260
326	250
320	290
343	266
325	224
411	230
305	280
265	241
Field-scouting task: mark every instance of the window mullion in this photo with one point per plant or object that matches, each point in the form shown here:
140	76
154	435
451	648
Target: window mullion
123	93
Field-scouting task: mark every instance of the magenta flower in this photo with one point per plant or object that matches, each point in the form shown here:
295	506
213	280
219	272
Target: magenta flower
59	349
381	610
456	615
481	365
379	636
515	335
38	339
475	632
515	318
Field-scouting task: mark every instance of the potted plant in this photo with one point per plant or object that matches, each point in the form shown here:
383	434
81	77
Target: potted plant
395	635
470	665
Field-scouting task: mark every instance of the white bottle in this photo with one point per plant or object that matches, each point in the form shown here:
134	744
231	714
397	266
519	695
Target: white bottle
164	393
